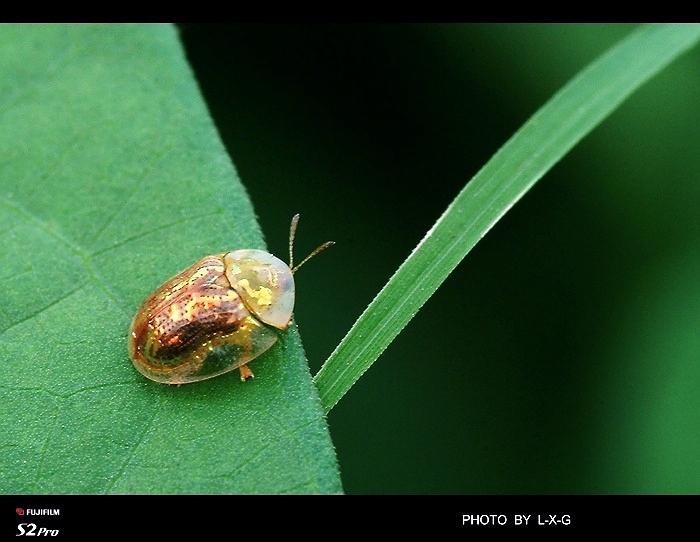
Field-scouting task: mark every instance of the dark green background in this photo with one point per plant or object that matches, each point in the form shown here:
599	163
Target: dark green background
562	356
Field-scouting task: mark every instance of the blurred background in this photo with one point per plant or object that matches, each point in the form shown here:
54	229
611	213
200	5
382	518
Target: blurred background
563	354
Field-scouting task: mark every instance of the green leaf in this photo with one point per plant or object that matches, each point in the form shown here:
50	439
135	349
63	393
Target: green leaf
112	179
542	141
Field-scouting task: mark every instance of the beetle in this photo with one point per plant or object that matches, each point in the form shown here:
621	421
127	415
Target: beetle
217	315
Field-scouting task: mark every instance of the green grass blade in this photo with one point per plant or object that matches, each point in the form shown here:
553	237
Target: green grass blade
543	140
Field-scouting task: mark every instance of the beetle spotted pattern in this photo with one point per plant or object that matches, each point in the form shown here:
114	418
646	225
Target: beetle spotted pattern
215	316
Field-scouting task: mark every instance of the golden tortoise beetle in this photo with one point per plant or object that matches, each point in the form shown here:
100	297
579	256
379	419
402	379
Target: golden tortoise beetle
214	316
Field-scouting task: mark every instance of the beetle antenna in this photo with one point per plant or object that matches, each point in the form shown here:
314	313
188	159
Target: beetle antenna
324	246
292	234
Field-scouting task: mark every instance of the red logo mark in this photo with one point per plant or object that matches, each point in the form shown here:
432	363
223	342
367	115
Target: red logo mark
20	511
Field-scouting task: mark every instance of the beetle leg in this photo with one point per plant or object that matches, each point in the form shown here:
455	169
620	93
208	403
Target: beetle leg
246	373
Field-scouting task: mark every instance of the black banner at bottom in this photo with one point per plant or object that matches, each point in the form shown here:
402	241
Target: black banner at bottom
207	517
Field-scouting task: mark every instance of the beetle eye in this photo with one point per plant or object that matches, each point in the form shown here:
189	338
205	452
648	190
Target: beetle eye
265	284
